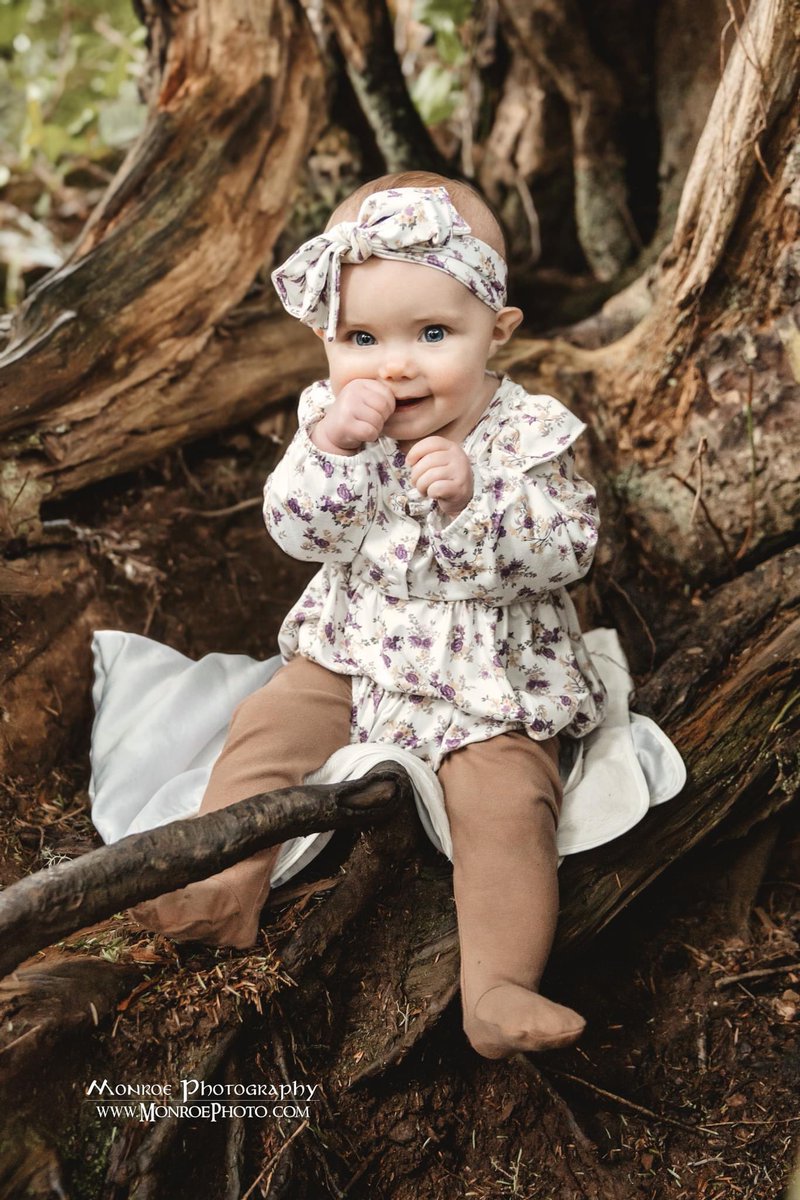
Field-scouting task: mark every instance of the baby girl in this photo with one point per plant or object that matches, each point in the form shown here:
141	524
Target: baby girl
443	505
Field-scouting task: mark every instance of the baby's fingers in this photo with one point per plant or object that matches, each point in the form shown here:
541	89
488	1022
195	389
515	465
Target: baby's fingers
437	460
443	489
433	476
429	445
382	406
366	428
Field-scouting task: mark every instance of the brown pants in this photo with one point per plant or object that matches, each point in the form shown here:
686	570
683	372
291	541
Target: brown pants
502	798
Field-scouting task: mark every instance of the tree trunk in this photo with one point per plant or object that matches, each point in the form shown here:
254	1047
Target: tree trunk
118	338
686	380
365	35
553	35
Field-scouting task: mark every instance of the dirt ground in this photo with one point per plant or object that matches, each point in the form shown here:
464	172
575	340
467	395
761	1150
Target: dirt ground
685	1083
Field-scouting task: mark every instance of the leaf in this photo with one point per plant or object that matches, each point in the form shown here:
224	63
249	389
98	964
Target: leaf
61	67
449	47
436	93
436	12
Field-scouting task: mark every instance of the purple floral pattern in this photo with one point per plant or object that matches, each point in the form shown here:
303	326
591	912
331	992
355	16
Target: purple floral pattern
454	630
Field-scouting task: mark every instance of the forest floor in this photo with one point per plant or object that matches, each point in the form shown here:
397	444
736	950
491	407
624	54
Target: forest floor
685	1084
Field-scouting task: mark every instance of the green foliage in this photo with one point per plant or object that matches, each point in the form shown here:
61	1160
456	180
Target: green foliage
68	76
438	90
436	93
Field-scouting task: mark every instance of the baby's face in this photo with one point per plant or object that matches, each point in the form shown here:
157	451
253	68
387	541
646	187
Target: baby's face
423	334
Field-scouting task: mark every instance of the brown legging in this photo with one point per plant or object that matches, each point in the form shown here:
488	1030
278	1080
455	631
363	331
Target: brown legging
501	795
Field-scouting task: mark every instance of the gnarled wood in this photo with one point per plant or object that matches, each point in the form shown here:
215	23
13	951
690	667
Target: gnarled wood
760	79
174	244
51	903
553	34
251	360
365	34
42	1004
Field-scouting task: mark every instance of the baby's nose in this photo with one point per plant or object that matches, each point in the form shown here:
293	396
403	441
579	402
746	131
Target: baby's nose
397	364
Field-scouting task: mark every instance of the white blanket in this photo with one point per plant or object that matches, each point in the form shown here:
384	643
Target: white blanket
161	720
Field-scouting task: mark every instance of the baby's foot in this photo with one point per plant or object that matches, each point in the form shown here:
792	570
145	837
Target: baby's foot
509	1018
206	911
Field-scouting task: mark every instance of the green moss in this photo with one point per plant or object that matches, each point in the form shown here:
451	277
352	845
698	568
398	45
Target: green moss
86	1172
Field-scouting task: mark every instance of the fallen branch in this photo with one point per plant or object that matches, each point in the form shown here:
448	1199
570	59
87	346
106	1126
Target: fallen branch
624	1102
52	903
761	973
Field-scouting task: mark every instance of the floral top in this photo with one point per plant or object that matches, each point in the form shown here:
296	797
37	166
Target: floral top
454	629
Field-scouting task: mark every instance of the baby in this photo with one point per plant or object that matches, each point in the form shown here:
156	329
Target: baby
444	508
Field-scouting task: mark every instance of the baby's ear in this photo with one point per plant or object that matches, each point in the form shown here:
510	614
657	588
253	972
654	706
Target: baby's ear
319	332
506	322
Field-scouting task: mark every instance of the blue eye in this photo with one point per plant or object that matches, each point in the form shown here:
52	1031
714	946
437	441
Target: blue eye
362	338
433	334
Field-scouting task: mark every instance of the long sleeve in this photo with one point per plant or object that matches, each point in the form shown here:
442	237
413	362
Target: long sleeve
319	507
452	630
524	531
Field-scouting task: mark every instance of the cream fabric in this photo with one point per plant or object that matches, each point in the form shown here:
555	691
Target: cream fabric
418	225
456	631
161	721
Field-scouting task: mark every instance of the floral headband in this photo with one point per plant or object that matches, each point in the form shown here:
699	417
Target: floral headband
418	225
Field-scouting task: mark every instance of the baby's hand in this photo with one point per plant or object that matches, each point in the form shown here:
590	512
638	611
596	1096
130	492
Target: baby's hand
357	415
440	469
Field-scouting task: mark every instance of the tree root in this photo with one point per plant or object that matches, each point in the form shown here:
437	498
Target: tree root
41	1004
54	902
376	857
137	1156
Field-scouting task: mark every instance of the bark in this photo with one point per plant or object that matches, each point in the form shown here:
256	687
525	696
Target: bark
365	35
760	79
519	150
173	245
251	360
44	906
48	614
692	42
689	389
47	1002
553	34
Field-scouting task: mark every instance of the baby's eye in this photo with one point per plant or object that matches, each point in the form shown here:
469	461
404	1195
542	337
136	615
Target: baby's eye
360	337
433	333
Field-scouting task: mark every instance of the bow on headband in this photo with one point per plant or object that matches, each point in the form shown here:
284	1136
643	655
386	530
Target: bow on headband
418	225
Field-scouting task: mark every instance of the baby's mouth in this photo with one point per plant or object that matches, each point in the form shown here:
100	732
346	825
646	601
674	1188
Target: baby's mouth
409	401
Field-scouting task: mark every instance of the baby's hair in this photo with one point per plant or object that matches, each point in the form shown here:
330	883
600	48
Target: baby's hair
466	200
